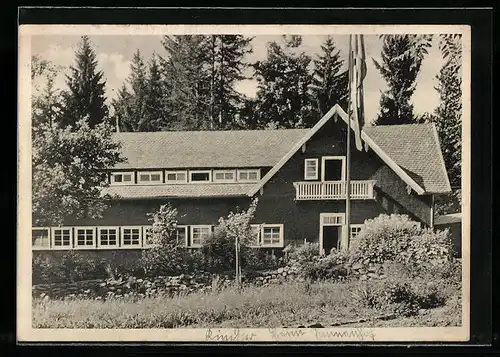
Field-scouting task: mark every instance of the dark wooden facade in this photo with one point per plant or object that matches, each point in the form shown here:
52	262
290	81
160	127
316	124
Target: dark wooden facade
277	203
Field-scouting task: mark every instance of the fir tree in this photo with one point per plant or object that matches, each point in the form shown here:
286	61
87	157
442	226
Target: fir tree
186	72
448	117
402	57
155	115
329	84
86	94
283	98
227	69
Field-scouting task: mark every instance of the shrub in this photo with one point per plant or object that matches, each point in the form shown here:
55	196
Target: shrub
330	267
301	253
72	266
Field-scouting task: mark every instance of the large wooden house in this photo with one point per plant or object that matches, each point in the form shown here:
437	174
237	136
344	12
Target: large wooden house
298	175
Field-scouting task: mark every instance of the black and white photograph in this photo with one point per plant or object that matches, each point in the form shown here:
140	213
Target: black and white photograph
244	183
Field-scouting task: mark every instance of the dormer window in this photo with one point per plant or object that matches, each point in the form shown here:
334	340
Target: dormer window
251	175
150	177
200	176
176	177
224	175
122	178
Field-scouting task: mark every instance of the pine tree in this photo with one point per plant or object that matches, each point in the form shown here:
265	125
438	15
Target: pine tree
329	84
283	98
86	94
402	57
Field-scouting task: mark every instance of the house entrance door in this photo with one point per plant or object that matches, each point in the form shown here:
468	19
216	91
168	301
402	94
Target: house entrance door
330	231
331	238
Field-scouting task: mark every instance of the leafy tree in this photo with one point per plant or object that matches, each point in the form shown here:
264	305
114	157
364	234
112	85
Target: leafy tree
46	101
283	98
86	94
329	84
67	163
220	249
402	57
167	254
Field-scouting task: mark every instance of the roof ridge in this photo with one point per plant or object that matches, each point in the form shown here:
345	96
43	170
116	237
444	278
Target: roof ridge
211	131
393	125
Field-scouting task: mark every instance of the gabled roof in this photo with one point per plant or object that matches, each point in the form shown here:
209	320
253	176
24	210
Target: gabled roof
178	190
415	148
206	149
411	151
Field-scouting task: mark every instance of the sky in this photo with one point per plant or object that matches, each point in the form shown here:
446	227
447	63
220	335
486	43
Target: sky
114	55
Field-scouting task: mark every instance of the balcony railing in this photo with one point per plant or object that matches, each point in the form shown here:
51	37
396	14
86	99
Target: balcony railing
333	190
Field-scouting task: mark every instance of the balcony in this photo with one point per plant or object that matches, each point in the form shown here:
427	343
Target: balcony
333	190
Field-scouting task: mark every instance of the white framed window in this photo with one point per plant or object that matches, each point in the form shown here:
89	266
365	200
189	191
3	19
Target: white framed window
40	237
256	242
122	178
355	229
131	237
311	169
84	237
175	176
107	237
149	177
62	238
272	235
199	234
332	219
200	176
181	235
224	175
249	175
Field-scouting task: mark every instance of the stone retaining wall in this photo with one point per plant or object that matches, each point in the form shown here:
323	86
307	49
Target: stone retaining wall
185	283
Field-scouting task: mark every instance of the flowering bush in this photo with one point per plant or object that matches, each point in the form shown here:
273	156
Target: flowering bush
397	238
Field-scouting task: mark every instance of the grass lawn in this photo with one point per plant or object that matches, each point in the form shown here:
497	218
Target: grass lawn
287	305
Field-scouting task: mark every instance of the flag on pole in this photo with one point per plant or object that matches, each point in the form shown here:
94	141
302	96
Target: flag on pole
357	69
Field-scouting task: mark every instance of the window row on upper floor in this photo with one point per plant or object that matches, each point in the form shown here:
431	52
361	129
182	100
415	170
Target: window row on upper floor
184	176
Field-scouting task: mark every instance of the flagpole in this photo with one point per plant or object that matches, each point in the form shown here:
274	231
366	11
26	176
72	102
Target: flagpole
345	243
